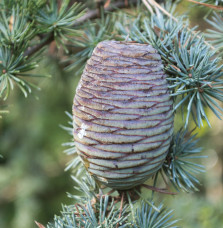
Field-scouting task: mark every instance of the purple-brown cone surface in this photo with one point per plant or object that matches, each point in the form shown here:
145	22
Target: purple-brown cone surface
123	118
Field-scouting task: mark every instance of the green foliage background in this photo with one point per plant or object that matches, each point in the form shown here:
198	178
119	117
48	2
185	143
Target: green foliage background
32	179
33	183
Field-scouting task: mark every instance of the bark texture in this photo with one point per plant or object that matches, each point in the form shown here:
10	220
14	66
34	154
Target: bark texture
123	118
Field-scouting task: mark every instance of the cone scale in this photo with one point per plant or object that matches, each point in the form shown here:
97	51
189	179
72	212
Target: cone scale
123	118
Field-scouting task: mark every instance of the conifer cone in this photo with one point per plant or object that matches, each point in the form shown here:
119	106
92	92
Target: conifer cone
123	117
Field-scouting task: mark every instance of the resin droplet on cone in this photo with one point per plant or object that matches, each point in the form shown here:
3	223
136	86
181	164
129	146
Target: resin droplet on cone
123	120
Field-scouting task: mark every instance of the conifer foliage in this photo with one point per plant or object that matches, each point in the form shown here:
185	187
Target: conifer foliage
193	65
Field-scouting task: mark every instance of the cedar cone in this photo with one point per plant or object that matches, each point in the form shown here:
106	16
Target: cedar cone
123	117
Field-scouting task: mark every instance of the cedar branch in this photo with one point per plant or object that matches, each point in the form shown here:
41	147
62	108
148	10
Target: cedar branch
91	14
153	3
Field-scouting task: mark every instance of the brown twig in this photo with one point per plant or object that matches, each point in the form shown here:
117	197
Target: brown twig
107	3
148	6
165	181
110	192
207	5
158	6
160	190
121	208
78	212
100	7
39	225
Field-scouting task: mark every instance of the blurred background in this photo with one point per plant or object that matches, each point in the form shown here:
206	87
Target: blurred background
33	183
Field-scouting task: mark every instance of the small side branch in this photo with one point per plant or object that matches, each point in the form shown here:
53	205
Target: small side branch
93	14
45	41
